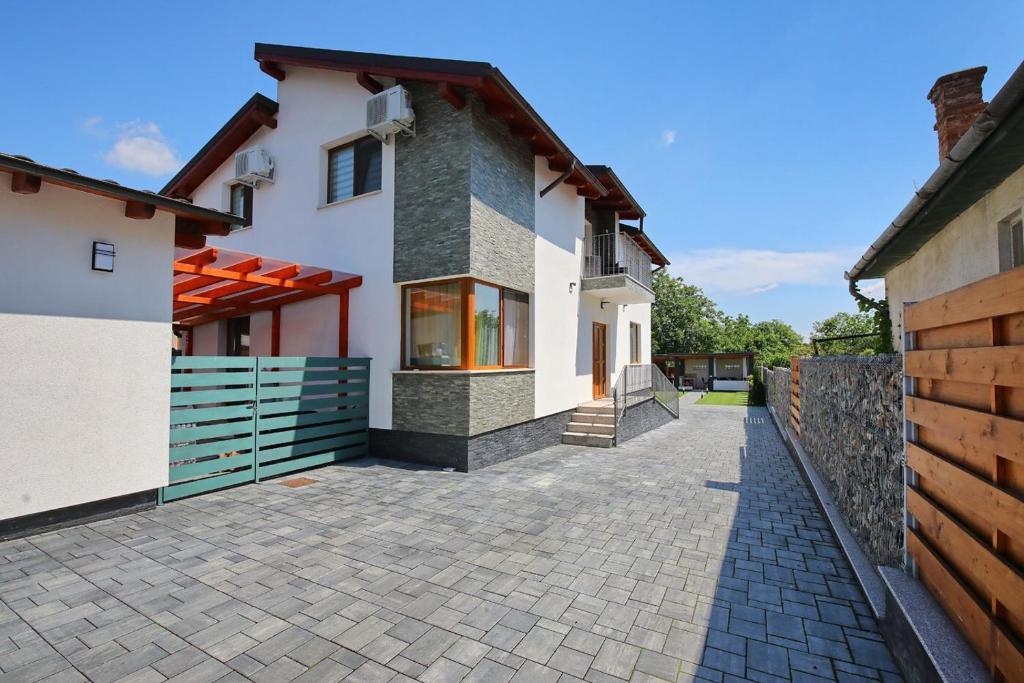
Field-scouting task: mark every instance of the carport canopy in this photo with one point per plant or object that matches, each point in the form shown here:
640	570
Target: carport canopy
212	284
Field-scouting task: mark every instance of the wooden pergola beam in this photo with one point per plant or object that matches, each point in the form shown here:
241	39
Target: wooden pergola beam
25	183
202	318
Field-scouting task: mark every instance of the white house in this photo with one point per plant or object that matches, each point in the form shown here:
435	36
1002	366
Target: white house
499	288
85	340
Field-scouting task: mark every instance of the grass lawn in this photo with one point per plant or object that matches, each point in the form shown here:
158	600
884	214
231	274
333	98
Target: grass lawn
724	398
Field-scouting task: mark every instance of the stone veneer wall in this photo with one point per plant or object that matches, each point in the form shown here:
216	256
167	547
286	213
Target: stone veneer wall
851	426
640	418
461	403
777	390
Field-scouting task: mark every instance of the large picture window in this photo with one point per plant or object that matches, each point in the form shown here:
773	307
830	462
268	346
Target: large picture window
353	169
464	324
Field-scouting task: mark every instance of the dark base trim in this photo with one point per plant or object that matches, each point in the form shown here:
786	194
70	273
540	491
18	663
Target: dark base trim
468	453
74	515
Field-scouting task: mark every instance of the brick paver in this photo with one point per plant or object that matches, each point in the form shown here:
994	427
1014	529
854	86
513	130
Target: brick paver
692	552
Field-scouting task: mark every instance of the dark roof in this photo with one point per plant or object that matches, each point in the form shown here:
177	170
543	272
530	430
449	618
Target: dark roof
645	243
108	188
618	197
498	94
257	112
989	152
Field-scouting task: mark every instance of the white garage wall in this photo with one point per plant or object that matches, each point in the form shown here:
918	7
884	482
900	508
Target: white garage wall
84	355
319	108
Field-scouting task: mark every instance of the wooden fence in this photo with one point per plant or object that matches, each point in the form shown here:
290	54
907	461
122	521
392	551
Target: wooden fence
964	409
237	420
794	394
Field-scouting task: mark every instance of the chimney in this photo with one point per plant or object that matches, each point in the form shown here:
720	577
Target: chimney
957	100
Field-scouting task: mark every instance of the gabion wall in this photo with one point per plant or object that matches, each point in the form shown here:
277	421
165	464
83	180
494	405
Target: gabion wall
851	426
776	388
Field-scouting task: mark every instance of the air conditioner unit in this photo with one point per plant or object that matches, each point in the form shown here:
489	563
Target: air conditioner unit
253	166
390	112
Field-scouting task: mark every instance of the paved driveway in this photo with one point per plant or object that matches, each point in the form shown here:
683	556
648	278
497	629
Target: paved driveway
692	551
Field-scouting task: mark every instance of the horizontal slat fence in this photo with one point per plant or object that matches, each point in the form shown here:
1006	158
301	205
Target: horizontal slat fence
238	420
965	456
310	411
212	441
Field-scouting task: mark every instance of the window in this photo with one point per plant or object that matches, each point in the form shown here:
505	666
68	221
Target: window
241	202
634	342
1011	242
353	169
238	336
441	319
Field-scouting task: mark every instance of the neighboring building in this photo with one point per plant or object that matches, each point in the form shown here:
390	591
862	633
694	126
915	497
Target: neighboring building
85	335
500	288
700	370
965	223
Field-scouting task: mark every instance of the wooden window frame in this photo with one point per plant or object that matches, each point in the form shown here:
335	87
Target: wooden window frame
639	358
467	313
355	168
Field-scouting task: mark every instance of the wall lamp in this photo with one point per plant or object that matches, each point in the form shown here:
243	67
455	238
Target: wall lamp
103	257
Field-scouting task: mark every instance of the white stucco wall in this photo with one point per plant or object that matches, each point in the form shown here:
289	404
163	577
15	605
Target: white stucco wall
965	251
563	321
320	109
84	355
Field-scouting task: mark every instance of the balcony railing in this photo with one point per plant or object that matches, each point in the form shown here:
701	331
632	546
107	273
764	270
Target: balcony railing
604	255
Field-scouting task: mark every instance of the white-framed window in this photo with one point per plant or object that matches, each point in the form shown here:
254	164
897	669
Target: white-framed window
1011	242
353	169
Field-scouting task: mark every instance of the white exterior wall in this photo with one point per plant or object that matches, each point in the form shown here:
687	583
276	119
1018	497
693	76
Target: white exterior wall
965	251
563	321
321	109
84	355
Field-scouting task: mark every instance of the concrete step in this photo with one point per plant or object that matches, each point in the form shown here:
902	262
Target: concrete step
593	418
590	428
578	439
596	410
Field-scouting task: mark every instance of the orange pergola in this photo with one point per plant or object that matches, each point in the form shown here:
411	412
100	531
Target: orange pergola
213	284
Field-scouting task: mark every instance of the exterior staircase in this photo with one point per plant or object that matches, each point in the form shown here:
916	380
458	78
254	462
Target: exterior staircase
593	424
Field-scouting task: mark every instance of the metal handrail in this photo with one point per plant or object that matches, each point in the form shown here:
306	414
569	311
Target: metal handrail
604	255
638	383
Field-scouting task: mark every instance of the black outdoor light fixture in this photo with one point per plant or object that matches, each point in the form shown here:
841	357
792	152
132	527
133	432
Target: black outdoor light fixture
103	257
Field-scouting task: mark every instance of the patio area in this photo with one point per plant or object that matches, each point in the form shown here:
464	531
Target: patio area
668	558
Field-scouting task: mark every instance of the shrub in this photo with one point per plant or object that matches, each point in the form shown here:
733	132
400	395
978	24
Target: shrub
757	394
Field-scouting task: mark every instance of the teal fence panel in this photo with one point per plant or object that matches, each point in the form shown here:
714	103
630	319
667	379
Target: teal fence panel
310	411
213	420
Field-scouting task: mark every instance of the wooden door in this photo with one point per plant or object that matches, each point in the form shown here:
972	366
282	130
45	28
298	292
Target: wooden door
600	343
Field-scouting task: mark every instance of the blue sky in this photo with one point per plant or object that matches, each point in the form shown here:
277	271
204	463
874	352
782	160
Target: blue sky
769	142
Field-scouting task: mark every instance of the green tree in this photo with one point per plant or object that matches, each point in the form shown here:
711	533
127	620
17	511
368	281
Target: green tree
683	318
774	342
843	324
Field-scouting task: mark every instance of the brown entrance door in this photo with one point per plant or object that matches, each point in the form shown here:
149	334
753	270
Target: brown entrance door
600	336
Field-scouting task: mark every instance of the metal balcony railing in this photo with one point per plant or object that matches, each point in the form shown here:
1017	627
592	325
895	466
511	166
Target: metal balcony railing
604	255
638	383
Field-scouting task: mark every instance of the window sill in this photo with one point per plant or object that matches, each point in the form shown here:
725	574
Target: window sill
349	199
490	371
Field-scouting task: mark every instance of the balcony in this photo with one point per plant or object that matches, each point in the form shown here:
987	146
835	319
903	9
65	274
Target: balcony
615	269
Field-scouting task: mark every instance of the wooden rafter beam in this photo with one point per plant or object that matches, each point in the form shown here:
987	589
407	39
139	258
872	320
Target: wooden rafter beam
140	211
264	118
25	183
451	95
187	239
194	319
272	69
229	294
247	266
369	82
201	258
223	274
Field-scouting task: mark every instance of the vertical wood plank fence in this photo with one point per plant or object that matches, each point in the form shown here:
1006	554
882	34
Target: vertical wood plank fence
965	457
237	420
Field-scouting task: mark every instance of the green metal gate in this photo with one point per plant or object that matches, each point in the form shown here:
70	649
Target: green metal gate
237	420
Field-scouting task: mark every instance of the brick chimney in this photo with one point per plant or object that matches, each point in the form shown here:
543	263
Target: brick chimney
957	100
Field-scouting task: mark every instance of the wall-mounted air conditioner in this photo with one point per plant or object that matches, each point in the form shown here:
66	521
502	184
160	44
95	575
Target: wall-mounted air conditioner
253	166
390	112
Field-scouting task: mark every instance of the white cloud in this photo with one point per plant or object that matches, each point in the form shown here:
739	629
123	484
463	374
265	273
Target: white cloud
668	137
92	125
755	271
140	146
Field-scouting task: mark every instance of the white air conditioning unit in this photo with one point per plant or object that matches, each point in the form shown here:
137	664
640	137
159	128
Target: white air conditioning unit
253	166
390	112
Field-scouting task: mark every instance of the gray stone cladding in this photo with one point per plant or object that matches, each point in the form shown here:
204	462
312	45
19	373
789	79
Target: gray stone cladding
502	201
432	173
461	403
464	195
465	453
777	388
851	427
641	418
